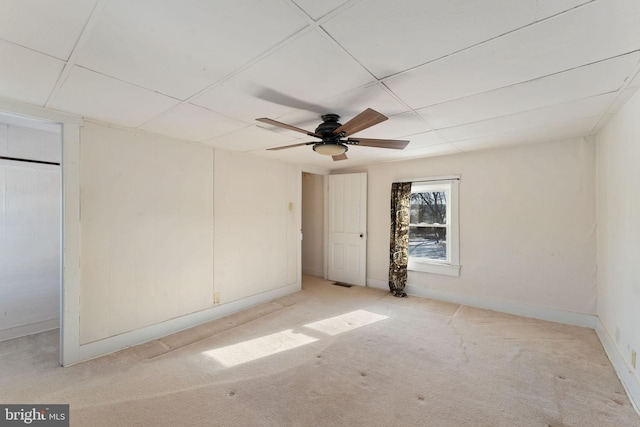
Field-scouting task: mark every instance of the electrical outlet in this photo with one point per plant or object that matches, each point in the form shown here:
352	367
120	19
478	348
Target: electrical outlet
633	359
216	298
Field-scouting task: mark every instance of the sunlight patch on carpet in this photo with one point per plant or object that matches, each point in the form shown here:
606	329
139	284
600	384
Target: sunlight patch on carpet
346	322
258	348
289	339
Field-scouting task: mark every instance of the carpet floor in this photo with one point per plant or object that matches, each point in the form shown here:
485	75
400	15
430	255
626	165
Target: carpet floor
335	356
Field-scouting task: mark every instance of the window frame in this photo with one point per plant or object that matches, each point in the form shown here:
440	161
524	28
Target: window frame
451	266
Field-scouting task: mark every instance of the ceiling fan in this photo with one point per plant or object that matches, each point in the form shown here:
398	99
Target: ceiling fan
333	135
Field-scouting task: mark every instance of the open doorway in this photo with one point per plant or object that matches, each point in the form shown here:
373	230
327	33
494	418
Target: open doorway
30	226
313	224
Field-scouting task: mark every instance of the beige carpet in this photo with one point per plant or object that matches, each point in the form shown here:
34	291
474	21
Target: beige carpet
335	356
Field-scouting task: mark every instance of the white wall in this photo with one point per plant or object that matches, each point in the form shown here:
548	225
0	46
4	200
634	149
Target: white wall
313	224
618	209
527	225
29	229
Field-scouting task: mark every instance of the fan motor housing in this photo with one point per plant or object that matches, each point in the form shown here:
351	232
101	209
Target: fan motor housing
329	124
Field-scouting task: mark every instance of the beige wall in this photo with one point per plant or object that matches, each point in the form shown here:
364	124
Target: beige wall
618	210
165	224
257	230
527	224
146	230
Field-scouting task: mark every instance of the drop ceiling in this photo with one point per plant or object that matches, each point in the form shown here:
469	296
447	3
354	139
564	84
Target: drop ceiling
452	75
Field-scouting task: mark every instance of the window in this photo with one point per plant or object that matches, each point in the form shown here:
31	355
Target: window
433	227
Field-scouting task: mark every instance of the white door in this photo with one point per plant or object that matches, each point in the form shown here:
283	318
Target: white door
347	225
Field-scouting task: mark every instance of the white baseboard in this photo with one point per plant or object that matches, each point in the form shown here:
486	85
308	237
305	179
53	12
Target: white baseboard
518	309
624	371
34	328
140	336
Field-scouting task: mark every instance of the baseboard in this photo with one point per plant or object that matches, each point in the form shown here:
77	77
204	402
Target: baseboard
623	370
33	328
518	309
140	336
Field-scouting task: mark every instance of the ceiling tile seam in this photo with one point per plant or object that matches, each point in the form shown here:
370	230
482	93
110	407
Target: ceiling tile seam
528	111
12	43
128	83
529	80
327	16
489	40
71	60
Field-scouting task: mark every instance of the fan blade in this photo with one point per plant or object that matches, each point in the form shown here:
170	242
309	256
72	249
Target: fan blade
396	144
290	146
362	121
286	126
272	95
339	157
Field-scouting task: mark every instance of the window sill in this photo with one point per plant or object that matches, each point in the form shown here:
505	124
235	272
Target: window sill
435	268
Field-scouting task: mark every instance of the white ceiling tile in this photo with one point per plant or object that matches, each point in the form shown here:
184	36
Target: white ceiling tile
180	47
26	75
388	37
192	123
240	102
253	138
557	132
51	27
317	9
424	139
517	64
601	77
310	68
104	98
550	116
427	151
590	33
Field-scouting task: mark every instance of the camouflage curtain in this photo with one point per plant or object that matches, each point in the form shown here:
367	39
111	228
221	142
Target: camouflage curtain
399	242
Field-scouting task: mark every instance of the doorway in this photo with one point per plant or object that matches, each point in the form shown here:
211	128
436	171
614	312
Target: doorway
313	225
30	226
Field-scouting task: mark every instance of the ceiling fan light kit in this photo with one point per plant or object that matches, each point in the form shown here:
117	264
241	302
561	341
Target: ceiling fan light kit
330	148
332	134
